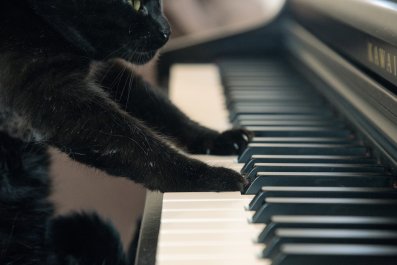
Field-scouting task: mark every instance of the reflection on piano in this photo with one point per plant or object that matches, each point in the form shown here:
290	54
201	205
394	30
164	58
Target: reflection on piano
322	165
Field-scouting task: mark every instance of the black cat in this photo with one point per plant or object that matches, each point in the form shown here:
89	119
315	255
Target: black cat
57	75
29	235
60	85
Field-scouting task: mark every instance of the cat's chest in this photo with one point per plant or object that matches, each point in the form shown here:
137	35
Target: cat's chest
15	126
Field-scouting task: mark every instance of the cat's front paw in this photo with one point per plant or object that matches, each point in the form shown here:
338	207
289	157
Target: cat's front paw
220	179
230	142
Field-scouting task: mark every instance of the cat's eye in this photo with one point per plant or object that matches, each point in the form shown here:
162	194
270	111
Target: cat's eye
136	4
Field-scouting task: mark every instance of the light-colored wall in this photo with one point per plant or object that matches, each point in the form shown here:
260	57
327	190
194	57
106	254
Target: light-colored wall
80	188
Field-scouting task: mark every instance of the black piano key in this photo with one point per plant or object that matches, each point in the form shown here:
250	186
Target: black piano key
273	110
236	87
317	167
329	192
232	96
298	110
322	192
285	92
257	201
259	73
256	70
273	79
262	68
325	206
280	117
272	103
247	63
272	98
303	140
240	82
318	179
318	221
328	236
238	118
305	159
270	75
300	149
335	254
241	118
253	76
253	70
312	167
232	91
268	85
299	131
317	123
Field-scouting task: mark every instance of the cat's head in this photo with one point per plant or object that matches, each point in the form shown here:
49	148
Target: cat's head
131	29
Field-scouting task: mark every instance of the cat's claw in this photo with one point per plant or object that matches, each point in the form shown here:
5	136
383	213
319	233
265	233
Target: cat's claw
231	142
246	137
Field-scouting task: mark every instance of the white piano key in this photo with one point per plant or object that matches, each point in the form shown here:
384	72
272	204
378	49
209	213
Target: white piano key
204	195
213	261
205	204
211	249
201	83
212	158
235	214
199	237
212	242
189	232
206	227
202	225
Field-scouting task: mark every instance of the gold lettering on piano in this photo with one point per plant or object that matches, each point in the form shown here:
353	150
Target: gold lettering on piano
370	52
381	57
389	67
376	55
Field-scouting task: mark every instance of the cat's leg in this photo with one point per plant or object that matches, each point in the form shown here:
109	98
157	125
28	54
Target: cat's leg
82	238
68	110
151	105
24	205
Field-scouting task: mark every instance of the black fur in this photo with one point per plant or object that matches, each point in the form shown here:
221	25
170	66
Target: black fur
84	239
24	209
61	84
28	233
100	112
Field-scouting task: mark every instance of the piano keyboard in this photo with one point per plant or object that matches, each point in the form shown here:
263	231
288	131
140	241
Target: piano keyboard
317	195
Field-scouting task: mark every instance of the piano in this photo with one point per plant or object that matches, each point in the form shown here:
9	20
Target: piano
320	94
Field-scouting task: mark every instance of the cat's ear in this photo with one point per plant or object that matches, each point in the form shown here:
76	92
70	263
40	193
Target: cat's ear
54	13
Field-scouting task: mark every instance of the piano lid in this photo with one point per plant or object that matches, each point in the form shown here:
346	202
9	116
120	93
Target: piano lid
265	12
363	31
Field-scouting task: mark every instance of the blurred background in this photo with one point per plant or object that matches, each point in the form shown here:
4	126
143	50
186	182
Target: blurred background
79	188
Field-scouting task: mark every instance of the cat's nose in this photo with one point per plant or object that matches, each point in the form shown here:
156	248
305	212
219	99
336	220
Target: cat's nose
166	35
163	37
164	30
